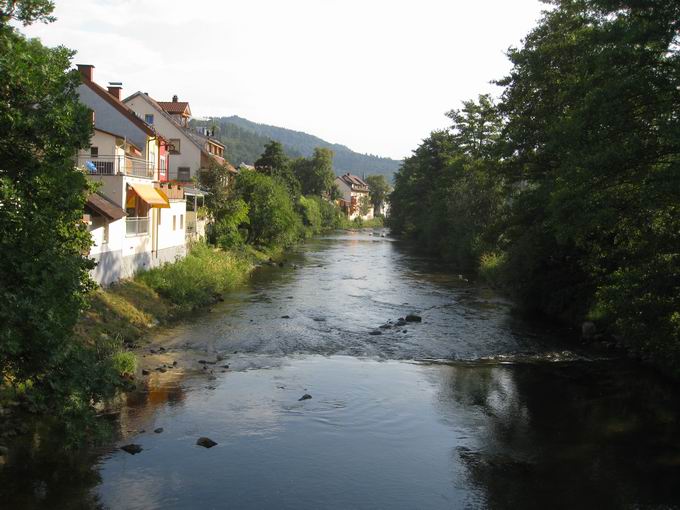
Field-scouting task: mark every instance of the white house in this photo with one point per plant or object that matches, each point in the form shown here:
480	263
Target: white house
124	158
354	191
191	151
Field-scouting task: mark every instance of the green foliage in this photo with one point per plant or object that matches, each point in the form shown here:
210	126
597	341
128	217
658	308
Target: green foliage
378	188
272	220
193	281
319	215
26	11
316	175
567	192
44	276
275	163
228	232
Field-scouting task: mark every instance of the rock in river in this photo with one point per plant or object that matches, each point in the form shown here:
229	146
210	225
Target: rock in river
205	442
413	318
306	396
375	332
132	448
158	430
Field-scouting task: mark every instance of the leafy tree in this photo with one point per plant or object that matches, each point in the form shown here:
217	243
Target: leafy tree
272	220
275	163
26	11
593	141
379	188
44	277
316	174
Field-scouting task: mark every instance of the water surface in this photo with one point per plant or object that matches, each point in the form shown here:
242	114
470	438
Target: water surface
472	408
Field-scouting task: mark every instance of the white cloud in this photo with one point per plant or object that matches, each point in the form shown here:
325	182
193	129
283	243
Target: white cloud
375	75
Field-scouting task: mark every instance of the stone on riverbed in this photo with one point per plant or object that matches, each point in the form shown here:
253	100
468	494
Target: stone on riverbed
205	442
132	448
413	318
158	430
306	396
375	332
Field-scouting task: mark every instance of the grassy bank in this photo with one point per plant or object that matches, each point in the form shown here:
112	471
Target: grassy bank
127	310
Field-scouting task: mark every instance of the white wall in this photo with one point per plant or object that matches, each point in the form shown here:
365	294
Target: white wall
190	154
167	237
110	119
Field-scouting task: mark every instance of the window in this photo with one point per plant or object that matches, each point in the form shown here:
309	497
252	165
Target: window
174	149
181	221
183	173
174	222
163	167
94	152
148	118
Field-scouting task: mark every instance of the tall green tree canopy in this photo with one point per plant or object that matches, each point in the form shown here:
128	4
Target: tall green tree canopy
316	174
275	163
44	275
379	188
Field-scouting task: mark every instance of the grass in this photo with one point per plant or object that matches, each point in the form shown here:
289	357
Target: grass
128	309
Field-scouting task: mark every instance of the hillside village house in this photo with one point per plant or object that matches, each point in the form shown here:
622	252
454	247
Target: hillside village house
354	191
137	219
191	150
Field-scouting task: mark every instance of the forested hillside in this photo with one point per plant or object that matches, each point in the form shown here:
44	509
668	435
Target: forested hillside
245	141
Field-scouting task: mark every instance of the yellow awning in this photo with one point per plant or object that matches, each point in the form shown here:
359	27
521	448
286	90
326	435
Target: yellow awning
152	196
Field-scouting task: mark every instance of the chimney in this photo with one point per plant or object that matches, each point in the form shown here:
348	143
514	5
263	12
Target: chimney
114	89
174	98
86	71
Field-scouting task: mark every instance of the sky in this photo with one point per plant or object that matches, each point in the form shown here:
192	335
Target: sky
375	75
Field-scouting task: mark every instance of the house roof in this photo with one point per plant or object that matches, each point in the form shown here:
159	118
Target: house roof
119	105
104	206
193	137
175	106
353	180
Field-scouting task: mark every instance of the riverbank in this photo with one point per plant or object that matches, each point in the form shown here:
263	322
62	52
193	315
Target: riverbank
129	309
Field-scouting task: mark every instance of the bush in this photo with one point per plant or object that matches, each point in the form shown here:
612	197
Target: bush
195	280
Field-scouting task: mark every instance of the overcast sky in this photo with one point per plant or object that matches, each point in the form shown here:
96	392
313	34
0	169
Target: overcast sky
375	75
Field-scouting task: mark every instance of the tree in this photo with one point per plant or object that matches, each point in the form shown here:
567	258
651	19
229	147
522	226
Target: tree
316	174
593	141
272	220
378	189
275	163
44	275
26	11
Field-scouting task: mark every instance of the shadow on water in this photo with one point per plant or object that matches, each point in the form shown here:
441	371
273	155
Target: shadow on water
498	413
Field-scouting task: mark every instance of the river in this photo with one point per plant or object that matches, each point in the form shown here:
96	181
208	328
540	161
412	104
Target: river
474	407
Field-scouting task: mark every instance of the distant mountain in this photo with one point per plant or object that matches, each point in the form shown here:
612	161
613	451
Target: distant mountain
245	142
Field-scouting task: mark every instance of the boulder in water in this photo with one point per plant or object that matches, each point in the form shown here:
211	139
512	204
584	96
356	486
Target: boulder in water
205	442
306	396
132	449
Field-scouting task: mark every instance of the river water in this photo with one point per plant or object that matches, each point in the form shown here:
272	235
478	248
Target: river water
473	407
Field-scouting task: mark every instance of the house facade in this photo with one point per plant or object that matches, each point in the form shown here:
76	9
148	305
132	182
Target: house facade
354	192
191	151
126	158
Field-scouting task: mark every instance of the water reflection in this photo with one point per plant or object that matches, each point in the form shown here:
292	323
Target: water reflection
527	422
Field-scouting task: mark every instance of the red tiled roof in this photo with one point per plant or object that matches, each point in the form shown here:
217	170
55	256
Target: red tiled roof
174	106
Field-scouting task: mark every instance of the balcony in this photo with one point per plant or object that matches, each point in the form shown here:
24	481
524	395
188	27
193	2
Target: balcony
136	226
117	165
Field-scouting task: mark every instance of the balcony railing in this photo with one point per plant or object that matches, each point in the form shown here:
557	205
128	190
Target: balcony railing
117	165
136	226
